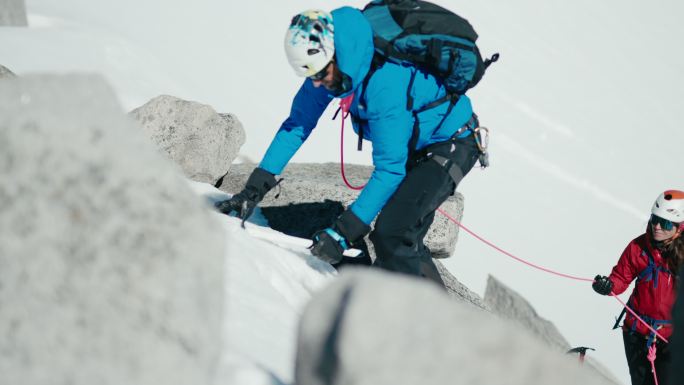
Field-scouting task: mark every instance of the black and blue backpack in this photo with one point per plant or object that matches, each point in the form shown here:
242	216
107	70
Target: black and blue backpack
430	37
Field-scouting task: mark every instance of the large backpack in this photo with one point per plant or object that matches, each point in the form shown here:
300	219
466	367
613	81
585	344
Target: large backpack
430	37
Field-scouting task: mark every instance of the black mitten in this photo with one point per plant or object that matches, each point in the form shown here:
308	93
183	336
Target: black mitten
243	203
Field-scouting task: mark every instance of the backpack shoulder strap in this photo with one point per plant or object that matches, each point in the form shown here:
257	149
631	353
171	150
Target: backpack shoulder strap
651	270
377	62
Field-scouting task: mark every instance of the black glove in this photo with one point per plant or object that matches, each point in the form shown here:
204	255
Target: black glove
329	244
602	285
243	203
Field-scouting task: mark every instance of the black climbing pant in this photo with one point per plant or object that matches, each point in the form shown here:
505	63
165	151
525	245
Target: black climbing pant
404	221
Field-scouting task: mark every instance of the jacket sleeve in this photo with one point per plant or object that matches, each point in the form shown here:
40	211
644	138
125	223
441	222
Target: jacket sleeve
626	269
307	107
390	125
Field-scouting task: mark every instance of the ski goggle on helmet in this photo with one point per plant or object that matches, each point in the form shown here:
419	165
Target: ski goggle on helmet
668	210
309	43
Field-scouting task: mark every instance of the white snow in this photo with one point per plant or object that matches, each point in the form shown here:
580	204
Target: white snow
269	278
583	107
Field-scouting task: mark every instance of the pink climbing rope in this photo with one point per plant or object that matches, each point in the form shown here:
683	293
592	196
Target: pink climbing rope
651	358
495	247
547	270
345	103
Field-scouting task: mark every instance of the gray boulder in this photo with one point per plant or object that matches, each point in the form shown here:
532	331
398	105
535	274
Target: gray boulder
5	73
13	13
374	328
317	183
201	141
111	268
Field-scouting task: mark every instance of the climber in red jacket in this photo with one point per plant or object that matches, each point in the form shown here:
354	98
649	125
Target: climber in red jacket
653	259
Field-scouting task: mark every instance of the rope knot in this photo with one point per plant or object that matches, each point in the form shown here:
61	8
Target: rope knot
651	353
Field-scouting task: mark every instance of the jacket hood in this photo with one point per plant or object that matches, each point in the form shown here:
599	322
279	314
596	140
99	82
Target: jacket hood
353	45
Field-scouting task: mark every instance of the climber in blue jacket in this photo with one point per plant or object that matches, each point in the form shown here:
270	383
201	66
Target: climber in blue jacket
418	158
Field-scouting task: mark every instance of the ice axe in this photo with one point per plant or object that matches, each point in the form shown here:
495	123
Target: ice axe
582	350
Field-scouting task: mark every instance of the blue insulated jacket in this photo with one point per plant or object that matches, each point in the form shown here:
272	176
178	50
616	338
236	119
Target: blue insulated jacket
382	114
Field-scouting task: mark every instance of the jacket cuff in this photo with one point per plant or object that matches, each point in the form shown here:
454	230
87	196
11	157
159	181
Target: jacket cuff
351	227
260	182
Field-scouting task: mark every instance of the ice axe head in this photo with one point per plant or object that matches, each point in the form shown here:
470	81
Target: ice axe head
582	350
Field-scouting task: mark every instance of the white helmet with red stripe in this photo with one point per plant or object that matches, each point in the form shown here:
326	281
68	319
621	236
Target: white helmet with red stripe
670	206
309	42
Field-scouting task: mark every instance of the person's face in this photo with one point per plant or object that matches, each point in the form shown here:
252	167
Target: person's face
329	77
662	228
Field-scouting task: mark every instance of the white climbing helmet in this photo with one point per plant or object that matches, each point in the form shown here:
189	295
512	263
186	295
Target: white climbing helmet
670	206
309	42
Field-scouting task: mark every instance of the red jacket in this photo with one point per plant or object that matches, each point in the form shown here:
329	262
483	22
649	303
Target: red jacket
647	299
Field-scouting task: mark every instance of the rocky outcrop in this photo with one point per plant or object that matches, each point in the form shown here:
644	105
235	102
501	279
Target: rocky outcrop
111	268
459	291
5	73
376	328
512	306
306	189
509	304
13	13
201	141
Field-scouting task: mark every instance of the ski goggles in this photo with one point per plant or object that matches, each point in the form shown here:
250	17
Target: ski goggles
318	76
664	223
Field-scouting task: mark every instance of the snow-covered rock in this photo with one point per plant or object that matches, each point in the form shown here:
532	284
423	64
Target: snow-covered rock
307	187
111	268
13	13
375	328
201	141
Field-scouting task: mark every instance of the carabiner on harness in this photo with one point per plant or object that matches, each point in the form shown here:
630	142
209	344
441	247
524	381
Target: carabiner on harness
482	141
